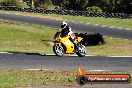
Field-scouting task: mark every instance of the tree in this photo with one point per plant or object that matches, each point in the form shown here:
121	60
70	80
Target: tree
117	6
10	3
60	4
110	5
76	4
42	3
94	3
124	6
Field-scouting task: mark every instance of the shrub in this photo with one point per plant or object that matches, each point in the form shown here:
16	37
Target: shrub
46	4
95	9
10	3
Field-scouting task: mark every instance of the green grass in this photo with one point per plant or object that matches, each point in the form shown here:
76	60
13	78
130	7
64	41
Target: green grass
18	78
125	23
113	46
23	78
24	37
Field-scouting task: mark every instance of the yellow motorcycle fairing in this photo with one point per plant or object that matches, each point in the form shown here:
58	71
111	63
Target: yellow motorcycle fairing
68	44
79	39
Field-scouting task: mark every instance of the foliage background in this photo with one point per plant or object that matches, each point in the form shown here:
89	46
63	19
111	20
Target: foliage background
110	6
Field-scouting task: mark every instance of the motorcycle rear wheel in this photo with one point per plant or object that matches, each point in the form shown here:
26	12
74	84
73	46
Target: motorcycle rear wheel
81	51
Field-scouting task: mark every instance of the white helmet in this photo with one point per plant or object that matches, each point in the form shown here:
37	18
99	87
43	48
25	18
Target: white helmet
63	24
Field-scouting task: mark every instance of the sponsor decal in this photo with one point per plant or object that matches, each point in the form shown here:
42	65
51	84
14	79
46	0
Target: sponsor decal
84	78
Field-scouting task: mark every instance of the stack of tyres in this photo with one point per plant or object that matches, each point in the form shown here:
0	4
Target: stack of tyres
91	39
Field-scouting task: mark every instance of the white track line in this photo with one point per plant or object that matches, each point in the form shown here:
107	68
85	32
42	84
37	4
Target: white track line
104	25
118	56
127	28
36	69
95	55
5	53
99	70
70	55
107	26
96	24
111	27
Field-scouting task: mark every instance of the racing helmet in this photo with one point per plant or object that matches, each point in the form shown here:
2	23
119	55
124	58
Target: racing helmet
63	24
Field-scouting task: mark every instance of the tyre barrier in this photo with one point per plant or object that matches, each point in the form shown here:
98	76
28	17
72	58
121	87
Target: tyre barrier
69	12
91	39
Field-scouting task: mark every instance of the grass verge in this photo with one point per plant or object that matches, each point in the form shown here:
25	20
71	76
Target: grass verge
125	23
23	78
20	78
24	37
113	47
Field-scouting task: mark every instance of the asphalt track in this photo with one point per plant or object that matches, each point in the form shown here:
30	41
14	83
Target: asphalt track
81	27
51	62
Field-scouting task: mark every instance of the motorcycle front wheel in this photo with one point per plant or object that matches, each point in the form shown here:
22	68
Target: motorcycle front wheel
58	50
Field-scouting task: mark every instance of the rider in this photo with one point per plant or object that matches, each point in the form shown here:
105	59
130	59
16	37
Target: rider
66	30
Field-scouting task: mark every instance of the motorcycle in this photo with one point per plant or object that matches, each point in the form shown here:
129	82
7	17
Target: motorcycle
63	45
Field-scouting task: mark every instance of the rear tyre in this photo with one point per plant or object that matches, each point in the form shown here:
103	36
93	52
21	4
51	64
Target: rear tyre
81	52
58	50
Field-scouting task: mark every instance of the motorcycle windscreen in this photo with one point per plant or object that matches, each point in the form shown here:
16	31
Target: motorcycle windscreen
69	45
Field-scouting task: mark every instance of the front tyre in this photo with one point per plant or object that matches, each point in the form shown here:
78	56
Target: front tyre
81	50
58	50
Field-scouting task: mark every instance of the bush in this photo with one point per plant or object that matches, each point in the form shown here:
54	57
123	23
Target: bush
10	3
46	4
95	9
